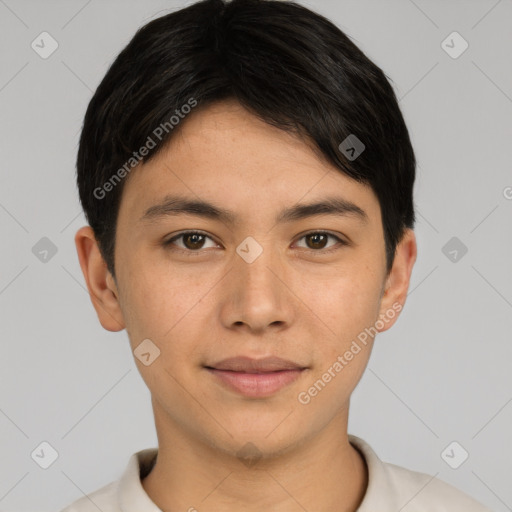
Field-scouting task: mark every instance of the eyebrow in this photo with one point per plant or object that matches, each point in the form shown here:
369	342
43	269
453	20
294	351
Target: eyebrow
178	205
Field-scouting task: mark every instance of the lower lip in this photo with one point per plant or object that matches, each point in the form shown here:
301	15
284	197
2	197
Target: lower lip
256	385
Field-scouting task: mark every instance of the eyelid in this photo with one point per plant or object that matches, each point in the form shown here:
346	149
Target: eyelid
341	241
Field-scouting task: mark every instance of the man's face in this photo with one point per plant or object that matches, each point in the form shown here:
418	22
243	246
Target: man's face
250	287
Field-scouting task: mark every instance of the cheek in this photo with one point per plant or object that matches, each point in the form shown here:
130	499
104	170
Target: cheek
344	306
153	302
160	309
169	306
361	306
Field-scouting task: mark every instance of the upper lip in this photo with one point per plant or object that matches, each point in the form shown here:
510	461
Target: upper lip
250	365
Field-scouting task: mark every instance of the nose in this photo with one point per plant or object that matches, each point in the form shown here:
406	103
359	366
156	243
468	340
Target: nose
257	294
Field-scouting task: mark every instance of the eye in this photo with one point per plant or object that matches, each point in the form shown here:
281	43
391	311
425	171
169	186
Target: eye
319	239
193	241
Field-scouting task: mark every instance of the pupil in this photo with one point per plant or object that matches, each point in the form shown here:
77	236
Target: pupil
316	236
194	238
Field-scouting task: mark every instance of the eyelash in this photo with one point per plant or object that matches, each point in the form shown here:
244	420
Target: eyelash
167	244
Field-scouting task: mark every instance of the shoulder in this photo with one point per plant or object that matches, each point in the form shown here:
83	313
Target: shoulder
419	491
104	499
391	488
125	494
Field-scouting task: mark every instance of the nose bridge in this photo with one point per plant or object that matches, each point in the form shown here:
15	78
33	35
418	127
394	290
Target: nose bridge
257	262
257	295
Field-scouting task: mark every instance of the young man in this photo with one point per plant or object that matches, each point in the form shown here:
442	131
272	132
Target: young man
247	176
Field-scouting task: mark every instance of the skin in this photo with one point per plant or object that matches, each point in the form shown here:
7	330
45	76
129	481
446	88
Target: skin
296	301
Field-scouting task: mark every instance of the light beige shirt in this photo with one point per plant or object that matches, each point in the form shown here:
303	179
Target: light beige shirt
390	489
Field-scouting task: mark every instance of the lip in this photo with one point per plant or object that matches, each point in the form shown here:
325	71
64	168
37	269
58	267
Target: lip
256	378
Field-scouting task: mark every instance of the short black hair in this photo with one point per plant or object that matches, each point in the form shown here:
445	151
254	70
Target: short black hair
286	64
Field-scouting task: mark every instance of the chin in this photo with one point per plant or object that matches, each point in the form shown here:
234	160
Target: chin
262	440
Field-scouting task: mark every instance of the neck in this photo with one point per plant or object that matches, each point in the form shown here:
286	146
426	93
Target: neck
324	473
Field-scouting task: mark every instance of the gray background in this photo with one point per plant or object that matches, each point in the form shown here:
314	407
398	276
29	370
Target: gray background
441	374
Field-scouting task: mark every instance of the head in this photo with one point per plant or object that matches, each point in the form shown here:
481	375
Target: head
256	107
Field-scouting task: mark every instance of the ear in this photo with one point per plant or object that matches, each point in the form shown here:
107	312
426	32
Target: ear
397	282
100	283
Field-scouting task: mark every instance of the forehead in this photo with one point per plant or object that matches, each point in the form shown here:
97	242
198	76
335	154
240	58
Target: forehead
225	155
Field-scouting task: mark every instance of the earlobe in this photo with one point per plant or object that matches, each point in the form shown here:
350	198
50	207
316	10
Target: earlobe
100	284
397	283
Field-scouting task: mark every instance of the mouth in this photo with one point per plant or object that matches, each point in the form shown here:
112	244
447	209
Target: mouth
256	378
